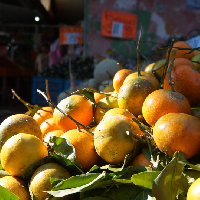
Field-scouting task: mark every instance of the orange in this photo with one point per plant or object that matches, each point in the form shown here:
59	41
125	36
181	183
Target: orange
144	75
98	96
47	126
178	53
108	88
193	191
18	123
56	133
182	61
149	67
78	107
43	114
161	102
83	143
113	138
41	180
140	160
20	151
16	186
133	93
177	132
120	77
107	103
186	81
119	111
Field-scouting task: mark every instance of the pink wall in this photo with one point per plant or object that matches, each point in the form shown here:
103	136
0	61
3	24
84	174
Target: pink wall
160	20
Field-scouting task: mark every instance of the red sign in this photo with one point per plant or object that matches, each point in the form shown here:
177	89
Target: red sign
120	25
71	35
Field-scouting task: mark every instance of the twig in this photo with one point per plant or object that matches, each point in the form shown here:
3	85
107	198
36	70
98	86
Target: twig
78	124
48	95
171	83
167	62
138	50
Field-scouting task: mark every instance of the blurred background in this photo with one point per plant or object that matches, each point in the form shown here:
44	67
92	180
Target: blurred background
79	34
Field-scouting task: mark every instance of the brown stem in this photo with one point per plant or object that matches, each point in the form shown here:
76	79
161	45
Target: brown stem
138	51
48	95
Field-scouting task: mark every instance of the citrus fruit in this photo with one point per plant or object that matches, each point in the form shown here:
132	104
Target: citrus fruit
18	123
193	191
83	143
113	138
40	180
20	151
98	96
133	93
161	102
181	61
144	75
186	81
108	88
119	111
177	132
120	77
47	126
140	160
78	107
43	114
16	186
179	53
56	133
196	61
104	105
159	66
149	67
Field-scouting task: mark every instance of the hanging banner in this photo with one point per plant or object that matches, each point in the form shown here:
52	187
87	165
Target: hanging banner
71	35
120	25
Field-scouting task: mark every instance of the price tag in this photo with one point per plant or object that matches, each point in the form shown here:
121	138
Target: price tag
71	35
117	29
117	24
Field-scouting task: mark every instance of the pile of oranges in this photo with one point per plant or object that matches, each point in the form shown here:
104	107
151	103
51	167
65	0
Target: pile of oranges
107	127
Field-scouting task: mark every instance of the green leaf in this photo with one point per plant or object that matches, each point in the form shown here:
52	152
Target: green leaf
97	198
191	175
31	169
63	148
145	195
195	167
113	192
165	186
79	183
71	167
88	93
148	176
5	194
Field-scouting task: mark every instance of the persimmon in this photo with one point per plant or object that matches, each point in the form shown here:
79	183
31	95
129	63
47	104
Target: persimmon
177	132
161	102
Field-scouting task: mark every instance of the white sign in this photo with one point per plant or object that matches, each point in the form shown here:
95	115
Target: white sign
117	29
71	38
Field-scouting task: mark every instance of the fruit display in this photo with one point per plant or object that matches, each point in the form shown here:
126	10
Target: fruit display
138	138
